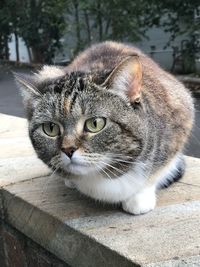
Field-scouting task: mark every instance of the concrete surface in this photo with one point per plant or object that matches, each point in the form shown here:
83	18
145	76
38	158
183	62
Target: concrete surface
11	104
18	160
68	224
82	232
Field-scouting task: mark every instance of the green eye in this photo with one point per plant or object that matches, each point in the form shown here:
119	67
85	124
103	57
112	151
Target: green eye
95	125
51	129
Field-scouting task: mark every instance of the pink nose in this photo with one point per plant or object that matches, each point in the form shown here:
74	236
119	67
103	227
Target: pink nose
69	151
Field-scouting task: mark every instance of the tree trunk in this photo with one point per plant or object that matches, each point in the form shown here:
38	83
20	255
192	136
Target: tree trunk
1	47
99	19
7	54
77	21
107	27
37	56
16	46
29	53
87	22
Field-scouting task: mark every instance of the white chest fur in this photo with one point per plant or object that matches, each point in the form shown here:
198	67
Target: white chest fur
111	190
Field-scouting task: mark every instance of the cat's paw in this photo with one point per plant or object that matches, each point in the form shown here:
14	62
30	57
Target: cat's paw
69	183
142	202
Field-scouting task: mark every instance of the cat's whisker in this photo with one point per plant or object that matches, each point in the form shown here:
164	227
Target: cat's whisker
123	161
56	168
109	165
121	164
97	164
99	169
103	170
119	155
45	186
55	160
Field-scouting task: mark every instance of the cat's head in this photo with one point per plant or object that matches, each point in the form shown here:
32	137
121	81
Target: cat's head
79	126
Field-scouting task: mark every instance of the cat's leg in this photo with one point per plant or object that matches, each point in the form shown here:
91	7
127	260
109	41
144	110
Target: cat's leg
145	200
142	202
69	183
173	173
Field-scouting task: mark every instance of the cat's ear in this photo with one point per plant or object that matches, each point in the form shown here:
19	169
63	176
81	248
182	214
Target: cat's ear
126	79
27	85
28	90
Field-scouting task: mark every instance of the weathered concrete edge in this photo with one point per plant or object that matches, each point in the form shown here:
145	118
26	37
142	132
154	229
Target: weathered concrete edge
74	248
193	261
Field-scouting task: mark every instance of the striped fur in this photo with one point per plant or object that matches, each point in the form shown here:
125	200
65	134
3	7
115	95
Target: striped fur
149	116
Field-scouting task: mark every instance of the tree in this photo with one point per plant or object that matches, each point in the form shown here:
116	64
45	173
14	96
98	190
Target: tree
41	26
178	17
5	30
181	18
40	23
101	20
14	15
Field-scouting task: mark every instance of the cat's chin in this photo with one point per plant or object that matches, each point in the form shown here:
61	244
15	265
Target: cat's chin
76	168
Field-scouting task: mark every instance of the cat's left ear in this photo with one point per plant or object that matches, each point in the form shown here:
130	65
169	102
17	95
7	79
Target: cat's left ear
27	85
126	79
28	90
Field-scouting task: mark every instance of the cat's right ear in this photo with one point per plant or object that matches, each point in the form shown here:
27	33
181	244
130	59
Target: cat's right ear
28	90
126	79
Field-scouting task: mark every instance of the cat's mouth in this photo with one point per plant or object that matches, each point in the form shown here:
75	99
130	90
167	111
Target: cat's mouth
94	165
79	168
76	166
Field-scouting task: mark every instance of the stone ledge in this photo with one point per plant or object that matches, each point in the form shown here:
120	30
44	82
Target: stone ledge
18	160
77	230
184	262
82	232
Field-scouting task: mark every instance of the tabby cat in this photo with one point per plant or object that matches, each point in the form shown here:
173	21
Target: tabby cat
113	123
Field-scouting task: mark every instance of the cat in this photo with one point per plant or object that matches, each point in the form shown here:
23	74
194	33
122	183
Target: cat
112	122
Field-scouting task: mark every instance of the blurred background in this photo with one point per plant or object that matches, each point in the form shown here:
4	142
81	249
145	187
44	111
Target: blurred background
53	31
37	32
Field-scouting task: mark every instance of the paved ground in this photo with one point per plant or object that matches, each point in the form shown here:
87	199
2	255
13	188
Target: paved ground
10	100
10	103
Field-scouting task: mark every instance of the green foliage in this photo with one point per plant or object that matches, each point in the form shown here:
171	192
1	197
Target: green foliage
178	16
102	19
42	26
40	23
5	30
129	20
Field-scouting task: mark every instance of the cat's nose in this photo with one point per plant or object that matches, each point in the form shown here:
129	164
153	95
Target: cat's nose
69	151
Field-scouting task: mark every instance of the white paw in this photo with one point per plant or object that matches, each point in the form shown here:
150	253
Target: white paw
69	183
142	202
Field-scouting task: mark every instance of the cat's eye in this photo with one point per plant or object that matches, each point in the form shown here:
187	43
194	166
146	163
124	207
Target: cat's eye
95	125
51	129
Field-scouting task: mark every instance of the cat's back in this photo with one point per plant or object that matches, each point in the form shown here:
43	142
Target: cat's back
102	57
105	56
164	92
